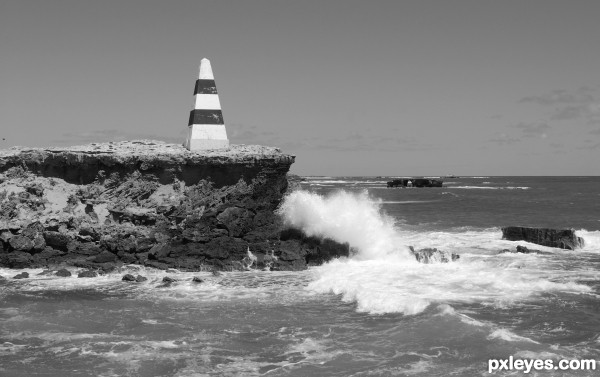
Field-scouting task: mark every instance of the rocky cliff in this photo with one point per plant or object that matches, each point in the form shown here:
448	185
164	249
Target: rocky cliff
148	202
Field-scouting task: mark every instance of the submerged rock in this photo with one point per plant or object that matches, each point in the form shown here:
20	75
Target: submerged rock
524	250
87	274
196	279
559	238
433	255
63	272
22	275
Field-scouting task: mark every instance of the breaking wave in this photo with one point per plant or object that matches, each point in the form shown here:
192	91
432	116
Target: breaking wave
382	276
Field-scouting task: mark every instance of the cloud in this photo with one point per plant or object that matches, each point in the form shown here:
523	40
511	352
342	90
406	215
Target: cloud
592	146
582	104
503	139
583	95
533	129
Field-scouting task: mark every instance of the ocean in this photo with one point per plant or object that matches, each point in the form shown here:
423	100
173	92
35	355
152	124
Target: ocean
377	313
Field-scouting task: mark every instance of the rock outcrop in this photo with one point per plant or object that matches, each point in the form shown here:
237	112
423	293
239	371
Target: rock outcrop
415	182
433	255
150	203
559	238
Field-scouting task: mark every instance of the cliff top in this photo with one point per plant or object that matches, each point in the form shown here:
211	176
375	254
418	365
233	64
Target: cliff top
147	148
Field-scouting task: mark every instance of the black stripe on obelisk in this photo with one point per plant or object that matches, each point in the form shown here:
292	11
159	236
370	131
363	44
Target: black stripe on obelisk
205	87
206	117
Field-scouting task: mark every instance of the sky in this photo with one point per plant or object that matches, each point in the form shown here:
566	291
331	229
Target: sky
400	87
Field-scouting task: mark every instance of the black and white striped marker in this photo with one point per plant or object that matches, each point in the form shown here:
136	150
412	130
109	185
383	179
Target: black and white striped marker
206	125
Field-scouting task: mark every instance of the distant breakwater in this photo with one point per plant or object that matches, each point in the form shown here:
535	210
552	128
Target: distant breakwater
102	205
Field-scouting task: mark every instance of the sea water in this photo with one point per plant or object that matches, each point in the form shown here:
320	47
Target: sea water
377	313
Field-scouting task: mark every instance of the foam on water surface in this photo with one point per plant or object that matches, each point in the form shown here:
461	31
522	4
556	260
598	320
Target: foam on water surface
382	277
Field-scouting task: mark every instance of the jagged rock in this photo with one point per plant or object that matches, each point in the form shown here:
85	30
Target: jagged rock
128	277
5	236
433	255
39	243
105	256
524	250
63	272
156	264
238	221
57	240
87	274
16	259
170	208
22	275
559	238
21	243
196	279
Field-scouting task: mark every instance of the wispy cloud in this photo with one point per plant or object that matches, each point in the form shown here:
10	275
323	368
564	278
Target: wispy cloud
503	139
583	95
582	104
533	129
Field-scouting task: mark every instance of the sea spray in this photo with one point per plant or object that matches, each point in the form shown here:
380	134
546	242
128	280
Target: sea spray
383	278
346	217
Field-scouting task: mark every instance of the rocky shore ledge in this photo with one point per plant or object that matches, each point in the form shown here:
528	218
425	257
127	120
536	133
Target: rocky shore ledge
102	205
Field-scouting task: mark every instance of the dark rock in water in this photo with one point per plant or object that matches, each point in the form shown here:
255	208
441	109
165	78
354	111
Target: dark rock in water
559	238
415	182
167	279
128	277
22	275
196	279
433	255
525	250
46	272
87	274
140	278
63	272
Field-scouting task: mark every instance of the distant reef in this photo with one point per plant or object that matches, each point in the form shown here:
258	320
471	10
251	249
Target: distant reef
102	205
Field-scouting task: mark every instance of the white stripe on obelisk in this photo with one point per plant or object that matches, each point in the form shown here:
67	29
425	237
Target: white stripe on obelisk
207	102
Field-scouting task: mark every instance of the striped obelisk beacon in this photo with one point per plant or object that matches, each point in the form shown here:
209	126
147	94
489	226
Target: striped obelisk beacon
206	126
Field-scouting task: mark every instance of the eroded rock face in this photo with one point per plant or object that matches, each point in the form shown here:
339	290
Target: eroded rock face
150	203
559	238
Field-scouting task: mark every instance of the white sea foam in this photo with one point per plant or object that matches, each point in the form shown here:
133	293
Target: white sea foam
383	277
591	240
490	188
508	336
345	217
